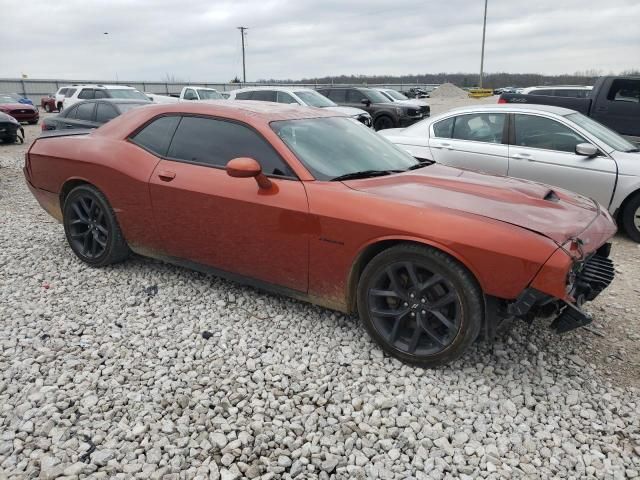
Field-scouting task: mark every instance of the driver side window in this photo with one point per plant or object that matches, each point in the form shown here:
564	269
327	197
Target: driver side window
479	127
540	132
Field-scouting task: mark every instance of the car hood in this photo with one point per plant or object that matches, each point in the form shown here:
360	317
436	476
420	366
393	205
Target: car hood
16	106
628	163
351	111
554	213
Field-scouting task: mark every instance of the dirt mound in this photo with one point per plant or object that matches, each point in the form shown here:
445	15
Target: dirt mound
449	90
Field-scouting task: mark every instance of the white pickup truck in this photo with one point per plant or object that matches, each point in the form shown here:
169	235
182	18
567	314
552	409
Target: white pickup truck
189	93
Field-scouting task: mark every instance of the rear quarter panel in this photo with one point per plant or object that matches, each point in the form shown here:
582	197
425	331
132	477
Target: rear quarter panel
119	169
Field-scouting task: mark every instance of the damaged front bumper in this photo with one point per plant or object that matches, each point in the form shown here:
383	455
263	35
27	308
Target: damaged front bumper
587	279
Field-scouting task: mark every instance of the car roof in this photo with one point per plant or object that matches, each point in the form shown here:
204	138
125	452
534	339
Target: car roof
97	85
279	89
516	107
113	100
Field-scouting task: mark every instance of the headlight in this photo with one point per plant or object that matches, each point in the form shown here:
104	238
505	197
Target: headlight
413	112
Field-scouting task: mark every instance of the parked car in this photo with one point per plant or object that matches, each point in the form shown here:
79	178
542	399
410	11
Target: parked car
614	102
189	93
546	144
308	203
384	112
571	91
417	92
22	112
91	113
48	103
78	93
61	94
10	129
401	99
298	96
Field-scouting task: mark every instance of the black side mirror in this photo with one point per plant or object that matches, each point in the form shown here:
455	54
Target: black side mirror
365	101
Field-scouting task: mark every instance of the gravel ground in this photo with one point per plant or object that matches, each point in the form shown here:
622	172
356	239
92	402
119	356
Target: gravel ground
145	370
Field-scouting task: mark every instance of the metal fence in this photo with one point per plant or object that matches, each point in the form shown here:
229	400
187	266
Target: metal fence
36	89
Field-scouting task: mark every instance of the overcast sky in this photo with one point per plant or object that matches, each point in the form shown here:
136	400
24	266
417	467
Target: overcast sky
197	39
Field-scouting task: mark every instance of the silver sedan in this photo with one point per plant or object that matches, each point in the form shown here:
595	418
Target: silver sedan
546	144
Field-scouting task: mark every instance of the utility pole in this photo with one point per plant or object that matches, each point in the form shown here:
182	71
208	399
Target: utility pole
244	71
484	31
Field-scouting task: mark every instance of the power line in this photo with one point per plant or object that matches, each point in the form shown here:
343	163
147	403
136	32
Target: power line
244	70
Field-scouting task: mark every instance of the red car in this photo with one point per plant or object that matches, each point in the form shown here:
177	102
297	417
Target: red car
316	206
22	112
48	103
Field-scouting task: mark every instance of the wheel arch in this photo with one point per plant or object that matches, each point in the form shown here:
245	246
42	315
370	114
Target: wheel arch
368	251
69	185
620	211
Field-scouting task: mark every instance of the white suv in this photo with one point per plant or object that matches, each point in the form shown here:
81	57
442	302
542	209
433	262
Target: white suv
298	96
574	91
77	93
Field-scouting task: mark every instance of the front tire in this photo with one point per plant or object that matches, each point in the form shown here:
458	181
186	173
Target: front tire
382	122
92	229
420	305
631	218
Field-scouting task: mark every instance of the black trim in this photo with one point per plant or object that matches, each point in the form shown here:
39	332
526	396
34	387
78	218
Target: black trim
130	139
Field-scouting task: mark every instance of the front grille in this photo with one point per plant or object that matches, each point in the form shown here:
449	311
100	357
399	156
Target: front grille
596	274
21	112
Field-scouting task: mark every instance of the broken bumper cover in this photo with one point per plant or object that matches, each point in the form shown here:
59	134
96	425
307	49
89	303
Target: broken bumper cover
587	279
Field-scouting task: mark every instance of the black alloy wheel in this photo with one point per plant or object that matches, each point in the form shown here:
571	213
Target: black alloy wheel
91	227
383	122
421	305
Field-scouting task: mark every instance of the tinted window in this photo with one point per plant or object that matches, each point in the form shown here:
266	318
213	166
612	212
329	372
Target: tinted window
338	95
70	92
243	96
623	90
542	92
156	136
105	112
215	142
70	112
85	111
284	97
63	91
190	94
264	95
101	94
479	127
355	96
86	93
443	128
540	132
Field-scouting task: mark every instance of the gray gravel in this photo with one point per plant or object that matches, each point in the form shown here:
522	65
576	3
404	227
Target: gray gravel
108	374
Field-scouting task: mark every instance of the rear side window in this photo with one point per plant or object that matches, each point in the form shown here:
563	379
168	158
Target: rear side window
542	92
85	111
338	96
105	112
70	92
243	96
264	95
479	127
86	93
284	97
101	94
214	142
541	132
625	90
156	136
443	128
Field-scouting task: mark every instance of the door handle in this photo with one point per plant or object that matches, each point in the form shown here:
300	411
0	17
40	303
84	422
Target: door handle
444	145
68	125
523	156
166	175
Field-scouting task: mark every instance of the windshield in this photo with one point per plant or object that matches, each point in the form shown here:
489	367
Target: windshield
376	97
336	146
602	133
396	95
209	94
131	93
314	99
7	99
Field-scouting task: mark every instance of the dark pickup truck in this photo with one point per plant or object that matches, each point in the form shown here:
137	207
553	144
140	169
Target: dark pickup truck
614	102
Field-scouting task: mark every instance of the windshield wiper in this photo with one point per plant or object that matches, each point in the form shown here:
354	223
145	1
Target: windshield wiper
632	150
420	164
363	174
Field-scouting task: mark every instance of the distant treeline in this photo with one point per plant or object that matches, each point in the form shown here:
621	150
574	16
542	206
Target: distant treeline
490	80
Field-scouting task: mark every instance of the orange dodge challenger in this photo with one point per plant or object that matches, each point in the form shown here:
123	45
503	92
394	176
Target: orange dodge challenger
303	202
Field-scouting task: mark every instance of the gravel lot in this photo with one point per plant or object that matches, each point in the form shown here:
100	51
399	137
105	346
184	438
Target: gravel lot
145	370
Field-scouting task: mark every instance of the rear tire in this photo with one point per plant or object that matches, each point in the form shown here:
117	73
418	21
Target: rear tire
631	218
92	228
420	305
